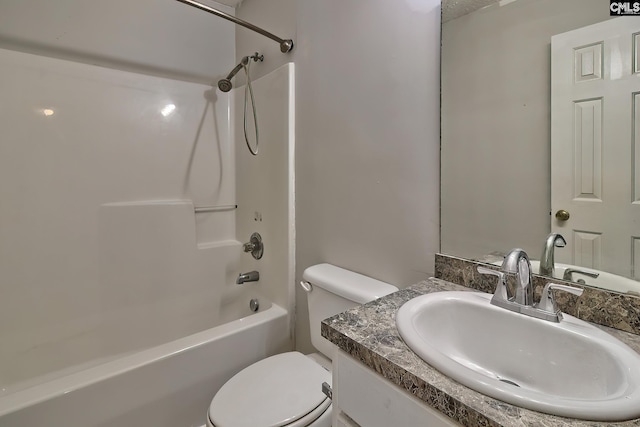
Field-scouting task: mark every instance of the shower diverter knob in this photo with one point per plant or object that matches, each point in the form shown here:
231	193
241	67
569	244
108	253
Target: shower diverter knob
255	246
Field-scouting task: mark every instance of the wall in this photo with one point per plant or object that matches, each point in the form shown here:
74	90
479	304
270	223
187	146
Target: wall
276	16
496	112
100	250
168	39
367	126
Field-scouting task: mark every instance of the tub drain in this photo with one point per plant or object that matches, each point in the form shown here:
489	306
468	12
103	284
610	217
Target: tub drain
254	304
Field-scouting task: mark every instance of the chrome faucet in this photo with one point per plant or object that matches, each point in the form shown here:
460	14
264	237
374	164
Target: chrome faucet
252	276
518	262
547	264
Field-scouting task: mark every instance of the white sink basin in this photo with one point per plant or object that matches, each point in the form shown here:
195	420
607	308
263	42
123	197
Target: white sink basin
570	369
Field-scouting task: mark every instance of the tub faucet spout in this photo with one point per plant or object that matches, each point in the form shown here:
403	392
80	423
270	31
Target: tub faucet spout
252	276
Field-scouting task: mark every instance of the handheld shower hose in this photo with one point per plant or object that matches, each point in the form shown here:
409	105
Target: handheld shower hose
225	85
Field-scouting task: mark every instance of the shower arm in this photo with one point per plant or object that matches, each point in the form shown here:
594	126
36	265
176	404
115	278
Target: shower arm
238	67
285	45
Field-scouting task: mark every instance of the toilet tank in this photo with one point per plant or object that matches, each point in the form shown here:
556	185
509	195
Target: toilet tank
334	290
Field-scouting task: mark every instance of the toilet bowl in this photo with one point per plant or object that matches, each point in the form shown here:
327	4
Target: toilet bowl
285	390
282	390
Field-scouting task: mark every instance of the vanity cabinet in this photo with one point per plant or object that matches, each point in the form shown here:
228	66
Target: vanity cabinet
362	398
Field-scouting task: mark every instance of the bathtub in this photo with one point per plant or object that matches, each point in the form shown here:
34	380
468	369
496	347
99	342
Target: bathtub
170	385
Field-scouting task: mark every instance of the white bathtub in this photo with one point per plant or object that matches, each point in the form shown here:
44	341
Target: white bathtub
170	385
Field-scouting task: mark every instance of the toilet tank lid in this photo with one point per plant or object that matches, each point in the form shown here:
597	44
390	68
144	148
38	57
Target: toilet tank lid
347	284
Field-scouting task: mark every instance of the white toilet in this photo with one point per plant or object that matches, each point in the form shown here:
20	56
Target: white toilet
285	390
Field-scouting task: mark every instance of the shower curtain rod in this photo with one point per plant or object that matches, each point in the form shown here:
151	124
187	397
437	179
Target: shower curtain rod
285	45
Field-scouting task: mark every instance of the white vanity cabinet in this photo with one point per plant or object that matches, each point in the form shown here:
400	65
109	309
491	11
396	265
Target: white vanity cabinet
362	398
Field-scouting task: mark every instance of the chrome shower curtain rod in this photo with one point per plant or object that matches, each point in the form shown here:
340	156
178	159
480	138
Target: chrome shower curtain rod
285	45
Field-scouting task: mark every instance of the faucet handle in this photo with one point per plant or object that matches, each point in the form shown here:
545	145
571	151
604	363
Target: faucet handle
255	246
548	302
570	271
501	288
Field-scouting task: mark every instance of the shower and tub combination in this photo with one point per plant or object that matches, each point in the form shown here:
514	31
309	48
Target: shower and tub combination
130	208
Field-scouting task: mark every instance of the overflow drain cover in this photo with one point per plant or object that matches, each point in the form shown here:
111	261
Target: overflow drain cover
509	382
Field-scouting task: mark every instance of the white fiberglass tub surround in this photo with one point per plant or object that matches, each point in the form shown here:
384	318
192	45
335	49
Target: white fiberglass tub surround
105	254
120	299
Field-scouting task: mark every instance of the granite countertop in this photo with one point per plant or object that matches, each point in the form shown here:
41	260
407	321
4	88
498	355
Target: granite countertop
368	333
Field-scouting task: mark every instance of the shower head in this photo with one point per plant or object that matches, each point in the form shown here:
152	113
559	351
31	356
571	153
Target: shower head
225	84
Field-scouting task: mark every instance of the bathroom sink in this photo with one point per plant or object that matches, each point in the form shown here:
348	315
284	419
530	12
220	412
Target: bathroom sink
570	368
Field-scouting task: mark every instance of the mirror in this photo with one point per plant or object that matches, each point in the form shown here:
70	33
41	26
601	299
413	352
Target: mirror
496	186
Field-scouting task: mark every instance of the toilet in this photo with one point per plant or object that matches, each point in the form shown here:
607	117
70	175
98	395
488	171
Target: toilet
285	390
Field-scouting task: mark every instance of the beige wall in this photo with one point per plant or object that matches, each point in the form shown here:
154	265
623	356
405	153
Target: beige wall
496	123
367	149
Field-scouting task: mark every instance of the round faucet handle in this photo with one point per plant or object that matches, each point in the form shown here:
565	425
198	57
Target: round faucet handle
255	246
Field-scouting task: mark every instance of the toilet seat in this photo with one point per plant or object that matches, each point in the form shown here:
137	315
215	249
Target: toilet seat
282	390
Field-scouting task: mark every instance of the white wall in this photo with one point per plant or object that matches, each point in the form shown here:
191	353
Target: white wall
496	113
163	38
276	16
367	126
100	249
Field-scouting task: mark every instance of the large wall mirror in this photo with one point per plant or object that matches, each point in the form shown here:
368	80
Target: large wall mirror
525	121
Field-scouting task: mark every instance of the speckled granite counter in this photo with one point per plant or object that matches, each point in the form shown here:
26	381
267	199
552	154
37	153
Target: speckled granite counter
368	333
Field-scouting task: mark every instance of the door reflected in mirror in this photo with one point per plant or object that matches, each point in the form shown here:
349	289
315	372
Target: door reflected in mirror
539	138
